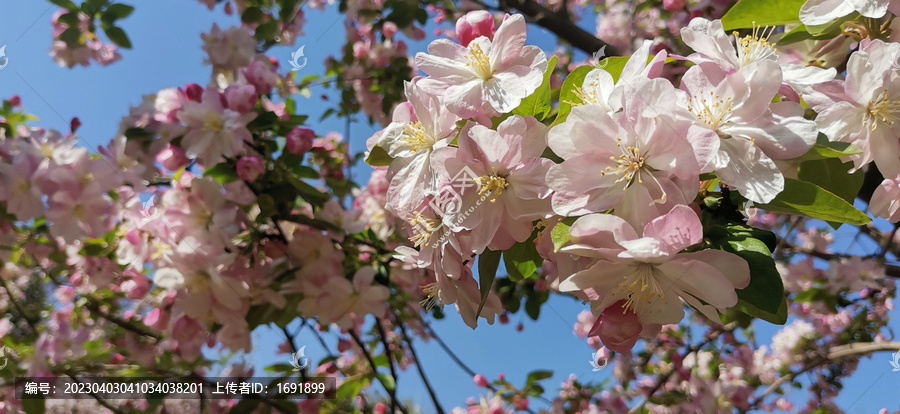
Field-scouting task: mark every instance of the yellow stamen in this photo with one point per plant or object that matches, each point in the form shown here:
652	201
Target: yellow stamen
423	227
493	184
643	289
881	108
479	61
756	46
433	291
414	136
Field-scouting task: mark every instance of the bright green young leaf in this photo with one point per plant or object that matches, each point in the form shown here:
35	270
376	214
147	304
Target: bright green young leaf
809	200
387	381
560	234
746	14
378	157
827	149
522	260
832	175
351	387
223	173
614	65
538	104
488	262
567	95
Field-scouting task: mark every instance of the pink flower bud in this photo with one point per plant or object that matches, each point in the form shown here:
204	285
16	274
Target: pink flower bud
15	100
157	319
116	359
474	25
504	318
389	29
617	328
380	408
480	380
241	98
673	5
172	158
193	92
300	140
249	167
75	124
521	403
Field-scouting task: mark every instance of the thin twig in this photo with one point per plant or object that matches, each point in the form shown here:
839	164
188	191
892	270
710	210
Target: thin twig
387	352
391	391
412	350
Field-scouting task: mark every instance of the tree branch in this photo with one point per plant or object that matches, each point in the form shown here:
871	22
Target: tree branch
390	390
558	23
437	405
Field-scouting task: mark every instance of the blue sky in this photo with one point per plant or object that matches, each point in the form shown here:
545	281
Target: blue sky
166	39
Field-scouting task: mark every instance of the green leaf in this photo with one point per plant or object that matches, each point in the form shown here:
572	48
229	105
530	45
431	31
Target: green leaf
379	157
522	260
832	175
614	65
118	36
747	13
567	95
764	296
263	121
488	262
279	368
819	32
533	306
831	29
116	12
72	37
809	200
223	173
308	192
267	30
535	376
36	405
538	104
387	381
252	15
351	387
66	4
560	234
825	149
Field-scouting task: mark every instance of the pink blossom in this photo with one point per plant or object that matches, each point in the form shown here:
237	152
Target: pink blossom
506	165
300	140
638	163
742	128
418	127
230	49
172	157
249	167
649	271
499	71
214	131
860	109
886	199
241	98
480	380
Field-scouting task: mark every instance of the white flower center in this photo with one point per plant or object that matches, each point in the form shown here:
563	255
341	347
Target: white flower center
213	123
493	184
755	46
628	165
711	110
414	136
881	108
642	290
424	228
479	62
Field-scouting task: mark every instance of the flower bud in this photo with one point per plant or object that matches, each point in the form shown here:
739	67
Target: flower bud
474	25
